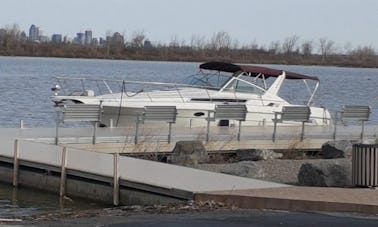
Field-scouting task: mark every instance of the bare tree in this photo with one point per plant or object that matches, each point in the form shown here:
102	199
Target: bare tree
10	37
326	47
197	42
253	45
289	44
364	52
174	42
274	47
220	41
115	43
348	48
137	39
235	44
307	47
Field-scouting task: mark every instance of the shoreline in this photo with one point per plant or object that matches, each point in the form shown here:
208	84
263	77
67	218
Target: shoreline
189	213
341	61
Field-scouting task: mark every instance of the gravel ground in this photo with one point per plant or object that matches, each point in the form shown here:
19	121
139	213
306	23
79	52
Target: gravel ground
276	170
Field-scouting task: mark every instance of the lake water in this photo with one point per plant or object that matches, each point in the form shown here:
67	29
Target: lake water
25	90
25	83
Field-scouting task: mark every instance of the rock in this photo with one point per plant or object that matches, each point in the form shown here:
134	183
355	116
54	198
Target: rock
326	174
243	169
189	153
256	154
337	149
370	141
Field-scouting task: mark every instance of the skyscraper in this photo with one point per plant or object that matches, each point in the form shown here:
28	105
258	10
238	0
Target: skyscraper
88	37
79	39
56	38
33	33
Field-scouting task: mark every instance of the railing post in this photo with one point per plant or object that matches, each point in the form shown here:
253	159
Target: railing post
63	173
95	133
239	132
15	162
362	130
302	133
208	126
115	179
275	127
170	132
111	123
137	128
335	127
21	124
57	128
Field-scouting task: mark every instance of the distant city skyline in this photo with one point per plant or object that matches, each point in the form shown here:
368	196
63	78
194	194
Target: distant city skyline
247	21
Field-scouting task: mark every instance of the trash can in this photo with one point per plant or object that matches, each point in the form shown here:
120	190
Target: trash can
365	165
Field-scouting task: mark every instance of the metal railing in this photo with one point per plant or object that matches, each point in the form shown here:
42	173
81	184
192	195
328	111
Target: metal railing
292	113
227	112
134	88
78	113
157	113
353	112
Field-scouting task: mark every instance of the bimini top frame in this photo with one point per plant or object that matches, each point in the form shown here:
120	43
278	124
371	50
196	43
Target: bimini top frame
263	73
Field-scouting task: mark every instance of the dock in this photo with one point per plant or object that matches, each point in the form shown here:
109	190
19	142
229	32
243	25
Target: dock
78	167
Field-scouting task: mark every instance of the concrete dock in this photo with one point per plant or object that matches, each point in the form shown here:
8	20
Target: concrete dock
76	167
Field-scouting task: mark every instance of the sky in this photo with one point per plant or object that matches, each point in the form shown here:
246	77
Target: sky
248	21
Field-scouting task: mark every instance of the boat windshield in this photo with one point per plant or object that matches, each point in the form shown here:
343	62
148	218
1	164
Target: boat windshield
238	85
216	81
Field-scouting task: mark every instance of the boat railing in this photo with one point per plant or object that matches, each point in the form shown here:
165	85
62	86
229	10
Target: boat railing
80	86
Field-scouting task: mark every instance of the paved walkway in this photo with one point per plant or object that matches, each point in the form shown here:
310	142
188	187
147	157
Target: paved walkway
358	200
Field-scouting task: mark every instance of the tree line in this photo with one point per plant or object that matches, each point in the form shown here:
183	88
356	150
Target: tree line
220	47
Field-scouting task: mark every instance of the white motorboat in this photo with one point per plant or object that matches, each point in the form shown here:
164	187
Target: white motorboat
216	83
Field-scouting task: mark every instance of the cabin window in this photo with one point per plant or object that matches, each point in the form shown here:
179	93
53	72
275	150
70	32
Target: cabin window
207	80
241	86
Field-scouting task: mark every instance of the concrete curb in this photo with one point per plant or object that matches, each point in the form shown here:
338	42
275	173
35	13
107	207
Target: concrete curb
318	199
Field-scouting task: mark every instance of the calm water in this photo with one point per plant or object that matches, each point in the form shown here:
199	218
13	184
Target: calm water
25	202
25	90
25	83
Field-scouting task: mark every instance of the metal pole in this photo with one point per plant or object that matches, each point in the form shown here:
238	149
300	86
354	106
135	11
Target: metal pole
275	127
239	133
57	129
335	127
111	123
170	132
63	173
208	126
137	129
302	133
115	179
95	133
15	162
21	124
362	131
